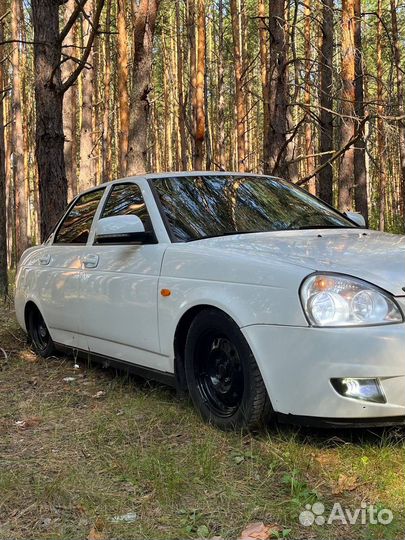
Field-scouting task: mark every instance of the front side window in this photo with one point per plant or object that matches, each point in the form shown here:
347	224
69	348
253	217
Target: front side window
206	206
75	227
126	200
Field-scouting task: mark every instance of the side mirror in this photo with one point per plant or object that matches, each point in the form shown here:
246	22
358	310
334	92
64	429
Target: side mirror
120	229
357	218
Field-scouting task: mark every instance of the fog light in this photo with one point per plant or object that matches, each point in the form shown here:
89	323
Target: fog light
364	389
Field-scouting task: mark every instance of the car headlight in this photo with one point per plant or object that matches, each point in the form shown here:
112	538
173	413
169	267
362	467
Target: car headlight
338	300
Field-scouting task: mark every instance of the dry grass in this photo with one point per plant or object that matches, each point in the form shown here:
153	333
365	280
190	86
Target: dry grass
74	455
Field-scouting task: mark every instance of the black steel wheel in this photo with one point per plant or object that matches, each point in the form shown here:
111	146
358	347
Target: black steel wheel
39	334
223	378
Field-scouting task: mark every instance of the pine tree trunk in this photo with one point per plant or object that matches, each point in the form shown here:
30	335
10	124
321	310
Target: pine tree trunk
220	89
49	124
309	146
18	139
200	89
400	97
70	111
87	158
143	32
180	94
326	102
276	163
380	123
3	214
107	139
264	75
123	86
346	173
360	173
239	93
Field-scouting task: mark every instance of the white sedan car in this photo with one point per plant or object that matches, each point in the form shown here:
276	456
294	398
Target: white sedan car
253	295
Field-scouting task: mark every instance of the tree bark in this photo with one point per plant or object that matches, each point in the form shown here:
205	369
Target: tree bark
325	186
107	139
18	139
276	163
309	145
87	159
3	199
380	123
49	124
264	74
49	92
143	32
239	75
360	173
70	111
400	97
180	94
123	96
346	173
199	135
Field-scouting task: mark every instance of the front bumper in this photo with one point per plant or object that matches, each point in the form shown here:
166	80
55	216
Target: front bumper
297	364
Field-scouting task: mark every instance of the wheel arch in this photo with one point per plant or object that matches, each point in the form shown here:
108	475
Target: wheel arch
180	336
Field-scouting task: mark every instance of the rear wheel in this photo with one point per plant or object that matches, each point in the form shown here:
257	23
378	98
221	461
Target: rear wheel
223	378
39	334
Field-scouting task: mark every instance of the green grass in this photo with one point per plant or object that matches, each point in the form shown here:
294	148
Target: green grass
82	460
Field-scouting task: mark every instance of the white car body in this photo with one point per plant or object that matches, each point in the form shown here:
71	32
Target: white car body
106	299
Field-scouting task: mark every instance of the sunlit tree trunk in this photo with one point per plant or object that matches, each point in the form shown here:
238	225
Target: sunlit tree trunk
360	173
380	123
278	102
70	111
264	74
18	137
326	103
239	76
309	146
144	21
346	173
3	214
107	139
123	86
200	89
180	93
87	177
400	97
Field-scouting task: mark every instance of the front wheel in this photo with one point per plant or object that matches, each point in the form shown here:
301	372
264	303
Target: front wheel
223	378
39	334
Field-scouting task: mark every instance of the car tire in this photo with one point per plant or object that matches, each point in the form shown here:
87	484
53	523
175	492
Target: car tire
39	335
223	378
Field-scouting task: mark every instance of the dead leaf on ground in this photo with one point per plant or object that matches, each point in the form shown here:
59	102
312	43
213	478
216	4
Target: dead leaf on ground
29	356
345	483
325	458
96	532
259	531
30	422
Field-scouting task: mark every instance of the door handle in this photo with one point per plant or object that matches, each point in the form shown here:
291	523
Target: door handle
45	259
90	261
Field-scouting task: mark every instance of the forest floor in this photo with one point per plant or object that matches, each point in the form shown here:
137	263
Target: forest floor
89	453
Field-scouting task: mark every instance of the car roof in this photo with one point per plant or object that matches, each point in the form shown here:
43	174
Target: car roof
173	174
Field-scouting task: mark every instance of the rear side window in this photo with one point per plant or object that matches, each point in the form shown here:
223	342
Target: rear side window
75	227
126	199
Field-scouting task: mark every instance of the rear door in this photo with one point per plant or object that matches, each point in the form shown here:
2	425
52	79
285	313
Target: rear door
119	286
61	267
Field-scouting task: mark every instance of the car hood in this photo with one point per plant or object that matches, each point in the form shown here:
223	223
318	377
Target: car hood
373	256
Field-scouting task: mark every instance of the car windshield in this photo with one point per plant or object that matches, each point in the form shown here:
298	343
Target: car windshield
199	207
